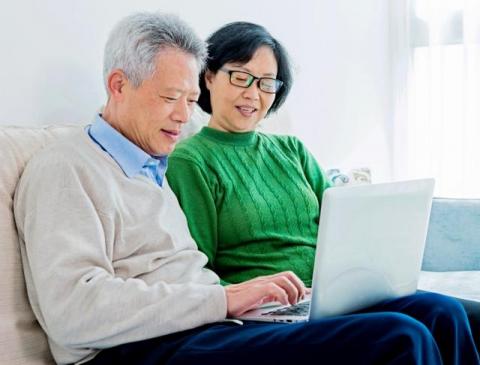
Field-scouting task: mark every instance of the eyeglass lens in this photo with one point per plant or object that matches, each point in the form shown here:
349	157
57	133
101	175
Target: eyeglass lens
244	79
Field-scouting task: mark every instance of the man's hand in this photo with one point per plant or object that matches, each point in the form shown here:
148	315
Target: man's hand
284	287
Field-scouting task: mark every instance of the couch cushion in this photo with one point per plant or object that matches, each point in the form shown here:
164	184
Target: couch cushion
461	284
22	341
453	240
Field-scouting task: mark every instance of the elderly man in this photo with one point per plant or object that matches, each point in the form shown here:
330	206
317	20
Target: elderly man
112	273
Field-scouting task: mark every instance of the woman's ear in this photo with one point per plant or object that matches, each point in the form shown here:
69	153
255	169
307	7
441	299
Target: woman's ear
209	77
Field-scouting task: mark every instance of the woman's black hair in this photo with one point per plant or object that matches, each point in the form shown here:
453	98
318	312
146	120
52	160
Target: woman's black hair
238	42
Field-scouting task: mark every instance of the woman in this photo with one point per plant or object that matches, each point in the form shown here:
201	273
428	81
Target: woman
252	200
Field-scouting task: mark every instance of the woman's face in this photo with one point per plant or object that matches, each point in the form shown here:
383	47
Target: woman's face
237	109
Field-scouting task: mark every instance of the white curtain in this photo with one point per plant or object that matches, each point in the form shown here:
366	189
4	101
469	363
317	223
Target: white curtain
436	78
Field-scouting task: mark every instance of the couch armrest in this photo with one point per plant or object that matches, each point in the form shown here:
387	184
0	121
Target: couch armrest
453	239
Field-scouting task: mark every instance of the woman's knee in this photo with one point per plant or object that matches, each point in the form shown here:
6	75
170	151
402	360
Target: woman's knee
405	325
406	338
444	306
394	327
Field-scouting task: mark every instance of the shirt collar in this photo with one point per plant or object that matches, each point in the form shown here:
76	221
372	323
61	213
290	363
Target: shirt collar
128	155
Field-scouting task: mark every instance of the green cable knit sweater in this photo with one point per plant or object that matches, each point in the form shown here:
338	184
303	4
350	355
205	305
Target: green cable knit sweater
252	201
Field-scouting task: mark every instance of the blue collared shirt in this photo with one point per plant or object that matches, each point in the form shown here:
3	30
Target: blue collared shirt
131	158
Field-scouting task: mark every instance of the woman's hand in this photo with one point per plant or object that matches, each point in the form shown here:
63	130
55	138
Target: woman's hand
285	287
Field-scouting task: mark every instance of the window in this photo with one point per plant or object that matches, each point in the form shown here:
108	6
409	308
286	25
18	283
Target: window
438	121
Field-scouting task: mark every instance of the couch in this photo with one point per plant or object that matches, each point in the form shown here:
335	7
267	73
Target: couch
451	263
452	253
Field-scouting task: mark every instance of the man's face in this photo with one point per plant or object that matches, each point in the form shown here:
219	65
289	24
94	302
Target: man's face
152	115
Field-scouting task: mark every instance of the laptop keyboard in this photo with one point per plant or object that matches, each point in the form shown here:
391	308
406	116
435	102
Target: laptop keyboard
299	309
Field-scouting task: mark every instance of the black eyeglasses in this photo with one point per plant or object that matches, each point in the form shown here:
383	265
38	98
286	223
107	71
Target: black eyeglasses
245	80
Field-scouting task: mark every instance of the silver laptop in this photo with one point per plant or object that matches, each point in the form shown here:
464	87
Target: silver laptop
370	247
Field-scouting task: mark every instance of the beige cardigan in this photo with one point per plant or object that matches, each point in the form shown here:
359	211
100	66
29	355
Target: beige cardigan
107	259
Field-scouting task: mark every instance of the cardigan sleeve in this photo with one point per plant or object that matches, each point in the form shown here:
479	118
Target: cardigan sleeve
195	193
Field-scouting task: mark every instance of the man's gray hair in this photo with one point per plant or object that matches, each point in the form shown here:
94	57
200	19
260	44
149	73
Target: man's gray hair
136	40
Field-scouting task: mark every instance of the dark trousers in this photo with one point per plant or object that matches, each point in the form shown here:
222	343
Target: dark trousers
473	312
424	328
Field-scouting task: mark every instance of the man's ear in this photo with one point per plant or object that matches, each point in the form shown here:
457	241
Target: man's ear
115	83
209	76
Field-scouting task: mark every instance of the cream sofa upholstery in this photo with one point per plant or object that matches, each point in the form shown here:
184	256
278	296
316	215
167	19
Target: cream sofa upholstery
22	341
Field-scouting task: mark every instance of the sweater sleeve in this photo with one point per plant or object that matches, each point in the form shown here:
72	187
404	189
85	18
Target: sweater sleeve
73	288
315	175
194	192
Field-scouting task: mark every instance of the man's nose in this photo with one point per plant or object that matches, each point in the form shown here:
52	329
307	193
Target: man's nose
182	112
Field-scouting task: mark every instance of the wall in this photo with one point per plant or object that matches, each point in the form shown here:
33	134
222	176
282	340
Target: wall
50	69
